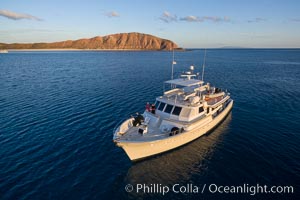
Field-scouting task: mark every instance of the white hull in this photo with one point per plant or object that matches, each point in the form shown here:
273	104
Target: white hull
138	150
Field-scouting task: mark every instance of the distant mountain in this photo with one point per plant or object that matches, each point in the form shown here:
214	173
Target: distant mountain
120	41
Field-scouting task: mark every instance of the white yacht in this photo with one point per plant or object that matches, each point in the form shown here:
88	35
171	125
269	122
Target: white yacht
188	110
3	51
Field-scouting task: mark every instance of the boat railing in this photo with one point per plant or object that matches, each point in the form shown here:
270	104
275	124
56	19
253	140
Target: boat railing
158	135
215	104
118	126
173	91
167	133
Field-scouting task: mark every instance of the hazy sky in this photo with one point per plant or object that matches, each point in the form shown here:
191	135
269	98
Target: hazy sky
189	23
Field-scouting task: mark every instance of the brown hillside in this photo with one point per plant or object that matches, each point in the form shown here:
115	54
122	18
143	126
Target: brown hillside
120	41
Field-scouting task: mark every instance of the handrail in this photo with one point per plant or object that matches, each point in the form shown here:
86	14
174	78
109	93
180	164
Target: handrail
219	102
156	135
119	124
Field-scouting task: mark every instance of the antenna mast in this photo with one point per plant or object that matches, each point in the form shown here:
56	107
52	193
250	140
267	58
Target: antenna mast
203	64
173	63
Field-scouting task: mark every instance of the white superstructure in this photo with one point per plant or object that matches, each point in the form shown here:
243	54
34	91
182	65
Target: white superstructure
186	111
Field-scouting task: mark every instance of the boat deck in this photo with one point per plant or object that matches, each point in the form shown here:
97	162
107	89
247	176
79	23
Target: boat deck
152	134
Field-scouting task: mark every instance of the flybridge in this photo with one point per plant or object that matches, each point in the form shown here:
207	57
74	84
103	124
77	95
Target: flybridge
185	82
184	85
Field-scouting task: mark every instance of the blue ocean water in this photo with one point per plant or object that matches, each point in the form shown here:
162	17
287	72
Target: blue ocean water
58	111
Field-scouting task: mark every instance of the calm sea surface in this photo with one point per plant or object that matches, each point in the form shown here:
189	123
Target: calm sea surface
58	111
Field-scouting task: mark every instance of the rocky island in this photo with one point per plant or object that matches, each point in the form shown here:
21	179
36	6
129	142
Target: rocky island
120	41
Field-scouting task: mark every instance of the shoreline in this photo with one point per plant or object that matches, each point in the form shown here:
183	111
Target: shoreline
178	49
12	50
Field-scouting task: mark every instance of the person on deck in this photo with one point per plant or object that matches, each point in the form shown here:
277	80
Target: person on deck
153	108
148	107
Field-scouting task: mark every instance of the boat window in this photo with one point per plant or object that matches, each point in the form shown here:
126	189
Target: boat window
201	109
157	104
169	108
176	110
161	106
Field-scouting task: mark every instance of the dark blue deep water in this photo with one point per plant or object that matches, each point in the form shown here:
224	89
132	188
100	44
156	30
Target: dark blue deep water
58	111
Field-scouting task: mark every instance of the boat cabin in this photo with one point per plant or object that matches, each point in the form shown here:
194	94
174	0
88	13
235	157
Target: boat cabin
188	99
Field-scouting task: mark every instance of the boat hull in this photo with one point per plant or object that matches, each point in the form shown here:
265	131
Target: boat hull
140	150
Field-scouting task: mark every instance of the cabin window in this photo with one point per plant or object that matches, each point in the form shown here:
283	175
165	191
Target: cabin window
157	104
176	111
201	109
168	108
161	106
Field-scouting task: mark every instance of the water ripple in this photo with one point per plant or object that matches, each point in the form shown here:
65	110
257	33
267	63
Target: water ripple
58	111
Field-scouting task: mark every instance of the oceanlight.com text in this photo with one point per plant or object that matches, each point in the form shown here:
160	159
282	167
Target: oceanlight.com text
209	188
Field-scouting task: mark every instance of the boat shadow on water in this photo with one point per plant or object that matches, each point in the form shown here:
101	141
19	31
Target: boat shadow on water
178	165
